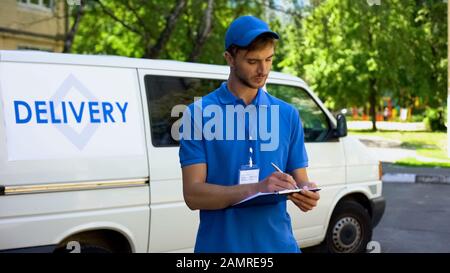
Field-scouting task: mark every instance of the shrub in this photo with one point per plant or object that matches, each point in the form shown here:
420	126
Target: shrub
435	119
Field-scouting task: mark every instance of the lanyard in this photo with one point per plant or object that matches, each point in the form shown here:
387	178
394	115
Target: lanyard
251	150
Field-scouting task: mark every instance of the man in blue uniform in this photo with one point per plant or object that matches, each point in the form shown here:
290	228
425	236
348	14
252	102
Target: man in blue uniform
224	166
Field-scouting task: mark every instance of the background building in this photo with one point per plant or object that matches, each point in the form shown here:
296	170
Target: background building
33	24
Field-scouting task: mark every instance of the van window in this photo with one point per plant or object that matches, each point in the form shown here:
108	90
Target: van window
315	123
163	93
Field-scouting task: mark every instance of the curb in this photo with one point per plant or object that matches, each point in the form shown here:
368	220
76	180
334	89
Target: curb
426	175
415	178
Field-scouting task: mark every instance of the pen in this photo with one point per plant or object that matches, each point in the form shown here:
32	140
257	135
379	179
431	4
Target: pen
278	169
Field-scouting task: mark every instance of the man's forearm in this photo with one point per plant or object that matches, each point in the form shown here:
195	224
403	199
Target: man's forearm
208	196
301	177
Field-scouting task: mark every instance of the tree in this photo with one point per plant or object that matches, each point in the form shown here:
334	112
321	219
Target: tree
77	14
203	31
353	53
170	29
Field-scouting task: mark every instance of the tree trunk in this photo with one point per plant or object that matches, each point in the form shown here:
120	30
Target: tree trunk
372	82
373	102
153	52
70	36
203	32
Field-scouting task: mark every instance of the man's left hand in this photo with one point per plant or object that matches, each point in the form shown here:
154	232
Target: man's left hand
306	200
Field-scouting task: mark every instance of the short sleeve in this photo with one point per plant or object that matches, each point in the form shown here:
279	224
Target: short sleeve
297	157
192	149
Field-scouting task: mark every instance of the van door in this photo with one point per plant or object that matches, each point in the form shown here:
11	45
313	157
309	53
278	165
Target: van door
173	225
326	160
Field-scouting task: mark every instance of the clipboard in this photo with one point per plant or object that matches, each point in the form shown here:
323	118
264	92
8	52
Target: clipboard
261	199
267	198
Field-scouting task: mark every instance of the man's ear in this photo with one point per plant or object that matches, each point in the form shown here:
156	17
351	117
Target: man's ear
229	59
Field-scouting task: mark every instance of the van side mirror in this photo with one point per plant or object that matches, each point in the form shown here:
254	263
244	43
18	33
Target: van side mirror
341	126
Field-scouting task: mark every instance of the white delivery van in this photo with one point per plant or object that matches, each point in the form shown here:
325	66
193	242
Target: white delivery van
87	161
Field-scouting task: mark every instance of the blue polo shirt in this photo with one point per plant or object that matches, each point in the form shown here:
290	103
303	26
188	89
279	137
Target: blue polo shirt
263	228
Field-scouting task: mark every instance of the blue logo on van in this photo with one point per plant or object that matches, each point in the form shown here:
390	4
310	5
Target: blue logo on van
78	139
89	111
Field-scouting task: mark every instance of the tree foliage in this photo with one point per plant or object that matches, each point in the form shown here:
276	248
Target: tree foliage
186	30
351	53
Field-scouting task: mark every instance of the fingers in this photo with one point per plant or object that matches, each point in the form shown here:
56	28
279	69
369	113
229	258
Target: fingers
299	204
280	186
285	177
310	194
303	201
273	184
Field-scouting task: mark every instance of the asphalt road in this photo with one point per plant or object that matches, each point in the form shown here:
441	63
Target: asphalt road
416	220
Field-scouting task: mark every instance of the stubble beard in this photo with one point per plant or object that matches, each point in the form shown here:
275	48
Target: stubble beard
246	81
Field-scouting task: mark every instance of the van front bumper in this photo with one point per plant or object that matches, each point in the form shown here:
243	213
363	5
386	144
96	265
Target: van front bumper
378	206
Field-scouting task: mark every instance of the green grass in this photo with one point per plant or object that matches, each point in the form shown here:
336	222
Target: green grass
412	162
412	140
432	145
433	153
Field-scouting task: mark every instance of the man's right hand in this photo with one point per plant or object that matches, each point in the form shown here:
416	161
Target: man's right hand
277	182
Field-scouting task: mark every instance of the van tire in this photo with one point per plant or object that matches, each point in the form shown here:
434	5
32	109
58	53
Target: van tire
94	249
349	230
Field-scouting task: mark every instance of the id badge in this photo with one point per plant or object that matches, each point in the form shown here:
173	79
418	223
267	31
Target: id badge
248	174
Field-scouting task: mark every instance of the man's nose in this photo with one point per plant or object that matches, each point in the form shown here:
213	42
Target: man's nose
263	68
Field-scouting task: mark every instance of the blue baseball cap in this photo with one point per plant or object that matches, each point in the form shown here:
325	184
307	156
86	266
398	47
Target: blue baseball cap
243	30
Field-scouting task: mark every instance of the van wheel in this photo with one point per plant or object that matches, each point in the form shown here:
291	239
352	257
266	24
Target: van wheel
349	230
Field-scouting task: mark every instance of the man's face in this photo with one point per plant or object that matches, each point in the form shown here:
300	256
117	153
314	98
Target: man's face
253	67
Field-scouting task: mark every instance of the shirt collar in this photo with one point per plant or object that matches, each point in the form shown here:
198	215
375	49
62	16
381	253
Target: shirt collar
226	97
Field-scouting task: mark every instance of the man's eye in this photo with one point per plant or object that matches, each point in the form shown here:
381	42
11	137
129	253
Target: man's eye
252	62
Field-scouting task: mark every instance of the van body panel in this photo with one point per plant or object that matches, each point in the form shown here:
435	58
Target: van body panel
329	174
48	218
313	223
174	227
361	164
46	149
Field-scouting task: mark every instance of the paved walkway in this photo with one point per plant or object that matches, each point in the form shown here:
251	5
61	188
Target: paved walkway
387	125
387	150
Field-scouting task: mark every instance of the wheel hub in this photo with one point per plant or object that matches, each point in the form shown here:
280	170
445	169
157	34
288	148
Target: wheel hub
347	234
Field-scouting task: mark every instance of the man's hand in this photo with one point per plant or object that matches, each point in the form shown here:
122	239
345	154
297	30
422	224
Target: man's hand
306	200
277	182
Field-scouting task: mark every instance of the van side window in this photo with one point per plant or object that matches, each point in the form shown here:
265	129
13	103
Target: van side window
165	92
315	123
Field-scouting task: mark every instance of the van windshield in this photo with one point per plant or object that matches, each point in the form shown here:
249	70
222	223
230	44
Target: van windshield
315	123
